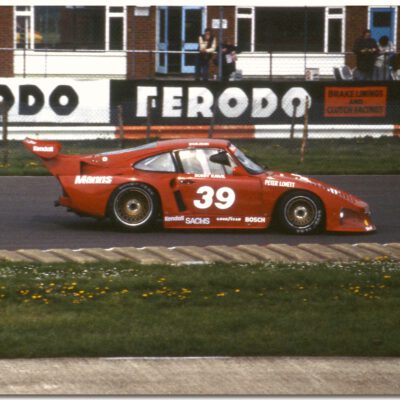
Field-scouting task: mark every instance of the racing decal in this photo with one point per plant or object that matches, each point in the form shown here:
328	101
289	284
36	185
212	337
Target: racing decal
174	218
333	191
228	219
224	196
212	176
197	221
197	144
272	182
44	149
301	178
92	180
257	220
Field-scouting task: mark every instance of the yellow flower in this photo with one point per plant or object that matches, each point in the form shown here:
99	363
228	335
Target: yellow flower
237	290
221	294
81	291
124	291
145	295
386	276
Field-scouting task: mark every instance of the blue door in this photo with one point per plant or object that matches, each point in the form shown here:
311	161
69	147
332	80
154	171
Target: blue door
193	25
162	41
382	22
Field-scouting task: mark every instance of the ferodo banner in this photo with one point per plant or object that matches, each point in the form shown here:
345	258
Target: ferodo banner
254	102
54	100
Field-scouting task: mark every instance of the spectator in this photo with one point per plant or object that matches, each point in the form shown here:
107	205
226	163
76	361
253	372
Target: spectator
384	59
229	58
366	49
207	46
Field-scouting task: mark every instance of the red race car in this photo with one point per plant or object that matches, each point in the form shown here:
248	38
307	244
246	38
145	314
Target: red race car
201	183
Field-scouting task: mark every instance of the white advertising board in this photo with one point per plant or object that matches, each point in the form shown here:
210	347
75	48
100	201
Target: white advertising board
56	100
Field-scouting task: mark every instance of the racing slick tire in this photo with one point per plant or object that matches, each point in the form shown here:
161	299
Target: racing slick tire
134	206
301	212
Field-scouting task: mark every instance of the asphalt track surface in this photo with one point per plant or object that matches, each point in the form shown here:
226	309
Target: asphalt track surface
30	220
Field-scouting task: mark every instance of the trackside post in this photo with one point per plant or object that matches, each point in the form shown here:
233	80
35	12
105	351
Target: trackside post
121	127
4	114
305	132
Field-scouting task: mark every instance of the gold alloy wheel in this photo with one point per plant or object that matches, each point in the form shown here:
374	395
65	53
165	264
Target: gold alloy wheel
300	211
133	207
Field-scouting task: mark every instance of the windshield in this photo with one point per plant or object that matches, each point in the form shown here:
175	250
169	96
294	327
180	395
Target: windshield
250	166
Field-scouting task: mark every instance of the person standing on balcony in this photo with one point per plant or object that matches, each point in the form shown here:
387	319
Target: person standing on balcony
229	59
384	60
207	46
366	50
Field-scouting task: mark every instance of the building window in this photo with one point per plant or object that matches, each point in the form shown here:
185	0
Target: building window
23	28
71	27
290	29
115	38
245	28
284	29
334	30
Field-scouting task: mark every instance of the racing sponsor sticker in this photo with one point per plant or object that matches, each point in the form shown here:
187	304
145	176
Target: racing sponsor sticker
255	220
174	218
212	176
272	182
228	219
197	221
92	180
199	144
44	149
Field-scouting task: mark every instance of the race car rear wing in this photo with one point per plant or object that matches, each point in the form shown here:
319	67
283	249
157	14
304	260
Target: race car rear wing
43	148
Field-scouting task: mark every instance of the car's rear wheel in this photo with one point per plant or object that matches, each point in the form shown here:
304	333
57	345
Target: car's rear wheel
134	206
301	212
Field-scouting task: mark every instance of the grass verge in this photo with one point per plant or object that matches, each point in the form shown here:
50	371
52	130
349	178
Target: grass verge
124	309
323	156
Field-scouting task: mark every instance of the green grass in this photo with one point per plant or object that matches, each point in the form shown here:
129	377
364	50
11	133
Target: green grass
123	309
323	156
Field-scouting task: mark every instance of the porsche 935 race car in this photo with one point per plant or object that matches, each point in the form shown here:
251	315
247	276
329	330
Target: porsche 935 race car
201	183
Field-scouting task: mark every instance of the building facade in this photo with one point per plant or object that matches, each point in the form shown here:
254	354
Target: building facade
147	42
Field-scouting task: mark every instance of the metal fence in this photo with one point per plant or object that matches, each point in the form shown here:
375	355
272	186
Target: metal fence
155	64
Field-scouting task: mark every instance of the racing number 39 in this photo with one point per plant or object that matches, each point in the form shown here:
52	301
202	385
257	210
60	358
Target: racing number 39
223	198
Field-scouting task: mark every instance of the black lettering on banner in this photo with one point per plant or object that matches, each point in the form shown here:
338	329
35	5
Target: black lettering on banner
55	100
6	96
27	92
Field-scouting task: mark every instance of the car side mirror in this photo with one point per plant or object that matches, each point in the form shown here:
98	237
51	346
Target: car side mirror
236	171
221	158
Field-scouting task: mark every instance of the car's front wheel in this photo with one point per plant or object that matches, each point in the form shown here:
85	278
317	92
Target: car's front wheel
134	206
301	212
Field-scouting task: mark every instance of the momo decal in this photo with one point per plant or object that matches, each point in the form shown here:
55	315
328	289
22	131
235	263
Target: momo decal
92	180
197	221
